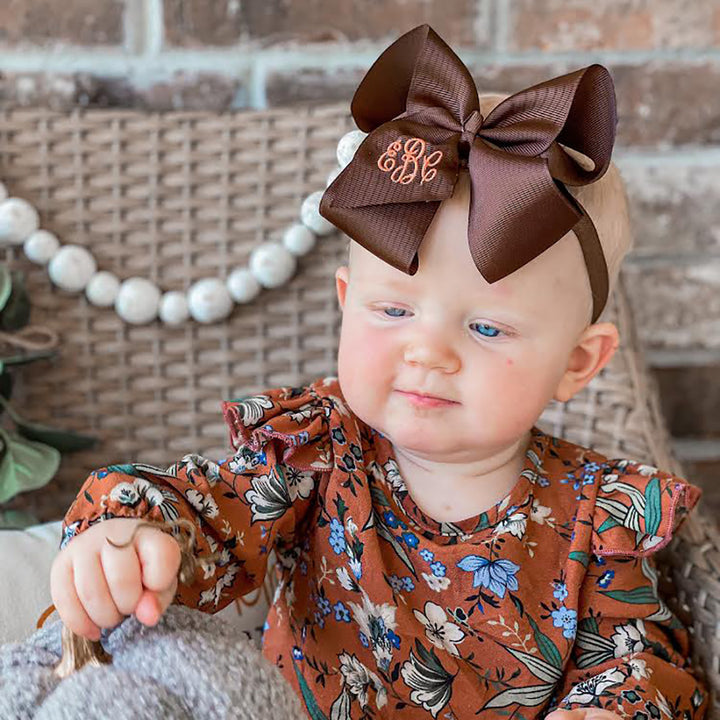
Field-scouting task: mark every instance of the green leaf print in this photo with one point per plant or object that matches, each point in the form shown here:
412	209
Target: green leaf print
580	556
546	646
637	596
310	702
609	523
531	696
537	666
653	506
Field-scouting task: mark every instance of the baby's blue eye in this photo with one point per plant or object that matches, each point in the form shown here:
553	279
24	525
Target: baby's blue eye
482	326
391	311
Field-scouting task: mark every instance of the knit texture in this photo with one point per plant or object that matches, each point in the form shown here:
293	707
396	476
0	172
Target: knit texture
190	666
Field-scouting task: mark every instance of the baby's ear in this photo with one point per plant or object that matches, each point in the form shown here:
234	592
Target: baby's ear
342	276
593	351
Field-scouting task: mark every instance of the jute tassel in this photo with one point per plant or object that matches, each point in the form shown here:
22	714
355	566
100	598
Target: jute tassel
78	651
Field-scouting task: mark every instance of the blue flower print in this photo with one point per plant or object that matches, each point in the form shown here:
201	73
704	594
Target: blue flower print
543	482
297	653
319	619
396	583
364	639
410	539
408	584
394	639
348	461
438	569
495	575
342	614
427	555
606	578
577	483
599	560
337	536
390	518
561	591
303	567
566	619
324	605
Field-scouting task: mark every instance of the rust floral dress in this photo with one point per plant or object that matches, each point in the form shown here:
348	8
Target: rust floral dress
546	600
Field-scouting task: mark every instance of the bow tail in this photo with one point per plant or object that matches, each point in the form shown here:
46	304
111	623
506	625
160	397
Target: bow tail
517	210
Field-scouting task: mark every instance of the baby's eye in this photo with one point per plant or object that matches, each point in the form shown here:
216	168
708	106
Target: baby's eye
485	330
394	311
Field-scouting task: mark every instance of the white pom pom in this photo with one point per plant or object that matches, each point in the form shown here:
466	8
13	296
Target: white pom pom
299	239
272	265
102	289
311	217
243	285
41	246
209	300
18	220
71	267
137	301
174	308
3	192
332	175
348	145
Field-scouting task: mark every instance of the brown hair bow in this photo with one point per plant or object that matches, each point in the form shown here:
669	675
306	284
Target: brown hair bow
420	106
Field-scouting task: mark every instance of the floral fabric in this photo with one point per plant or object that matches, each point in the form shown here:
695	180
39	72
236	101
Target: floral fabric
548	599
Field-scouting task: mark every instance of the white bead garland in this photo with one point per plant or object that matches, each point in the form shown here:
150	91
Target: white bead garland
209	300
139	301
71	267
103	289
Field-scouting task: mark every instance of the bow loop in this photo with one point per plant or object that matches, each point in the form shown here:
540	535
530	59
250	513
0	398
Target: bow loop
420	107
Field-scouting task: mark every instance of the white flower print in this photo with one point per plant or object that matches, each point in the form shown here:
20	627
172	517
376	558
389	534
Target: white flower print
639	668
204	504
252	409
438	584
346	582
300	484
304	412
629	638
350	526
392	475
515	525
586	691
539	512
441	633
368	613
357	678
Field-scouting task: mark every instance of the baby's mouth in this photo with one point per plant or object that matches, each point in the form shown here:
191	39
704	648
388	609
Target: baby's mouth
425	400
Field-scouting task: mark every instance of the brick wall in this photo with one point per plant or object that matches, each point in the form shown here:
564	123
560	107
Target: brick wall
664	56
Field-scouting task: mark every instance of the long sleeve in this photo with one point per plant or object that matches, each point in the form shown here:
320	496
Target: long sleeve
242	506
631	652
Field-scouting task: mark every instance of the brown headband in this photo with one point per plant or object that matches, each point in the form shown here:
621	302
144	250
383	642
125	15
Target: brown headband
420	106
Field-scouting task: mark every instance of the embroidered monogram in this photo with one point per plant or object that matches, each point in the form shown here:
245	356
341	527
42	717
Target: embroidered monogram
406	169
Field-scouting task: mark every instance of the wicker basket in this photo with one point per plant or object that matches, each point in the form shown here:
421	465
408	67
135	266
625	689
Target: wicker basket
180	196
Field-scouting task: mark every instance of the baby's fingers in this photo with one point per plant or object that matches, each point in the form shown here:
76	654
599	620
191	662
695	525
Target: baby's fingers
152	605
66	600
159	555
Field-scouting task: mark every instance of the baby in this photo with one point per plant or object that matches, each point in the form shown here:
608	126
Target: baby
438	554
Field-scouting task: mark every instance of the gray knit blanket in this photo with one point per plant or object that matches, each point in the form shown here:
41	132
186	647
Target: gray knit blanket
190	666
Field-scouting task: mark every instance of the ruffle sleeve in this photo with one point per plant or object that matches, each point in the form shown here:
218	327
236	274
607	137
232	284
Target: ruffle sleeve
638	509
242	506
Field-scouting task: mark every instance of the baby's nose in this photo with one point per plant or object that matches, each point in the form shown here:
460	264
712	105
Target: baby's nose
432	352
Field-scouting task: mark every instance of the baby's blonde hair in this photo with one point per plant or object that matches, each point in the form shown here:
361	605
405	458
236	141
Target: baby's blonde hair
605	201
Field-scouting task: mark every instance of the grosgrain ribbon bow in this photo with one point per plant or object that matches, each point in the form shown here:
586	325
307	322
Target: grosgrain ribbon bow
420	106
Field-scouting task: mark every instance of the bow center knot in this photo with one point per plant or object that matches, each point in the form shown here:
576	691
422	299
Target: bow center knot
471	125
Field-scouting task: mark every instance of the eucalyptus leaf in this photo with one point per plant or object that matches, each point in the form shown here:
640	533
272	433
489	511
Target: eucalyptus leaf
62	440
16	312
65	441
25	465
16	520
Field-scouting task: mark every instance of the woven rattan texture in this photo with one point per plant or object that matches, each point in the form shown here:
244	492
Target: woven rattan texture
176	197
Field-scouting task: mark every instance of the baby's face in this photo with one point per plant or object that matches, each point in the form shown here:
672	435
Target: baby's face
494	353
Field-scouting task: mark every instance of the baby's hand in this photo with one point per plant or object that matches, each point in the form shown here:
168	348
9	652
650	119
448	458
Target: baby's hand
588	713
94	585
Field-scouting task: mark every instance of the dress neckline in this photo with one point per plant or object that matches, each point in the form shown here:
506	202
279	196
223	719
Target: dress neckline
521	493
